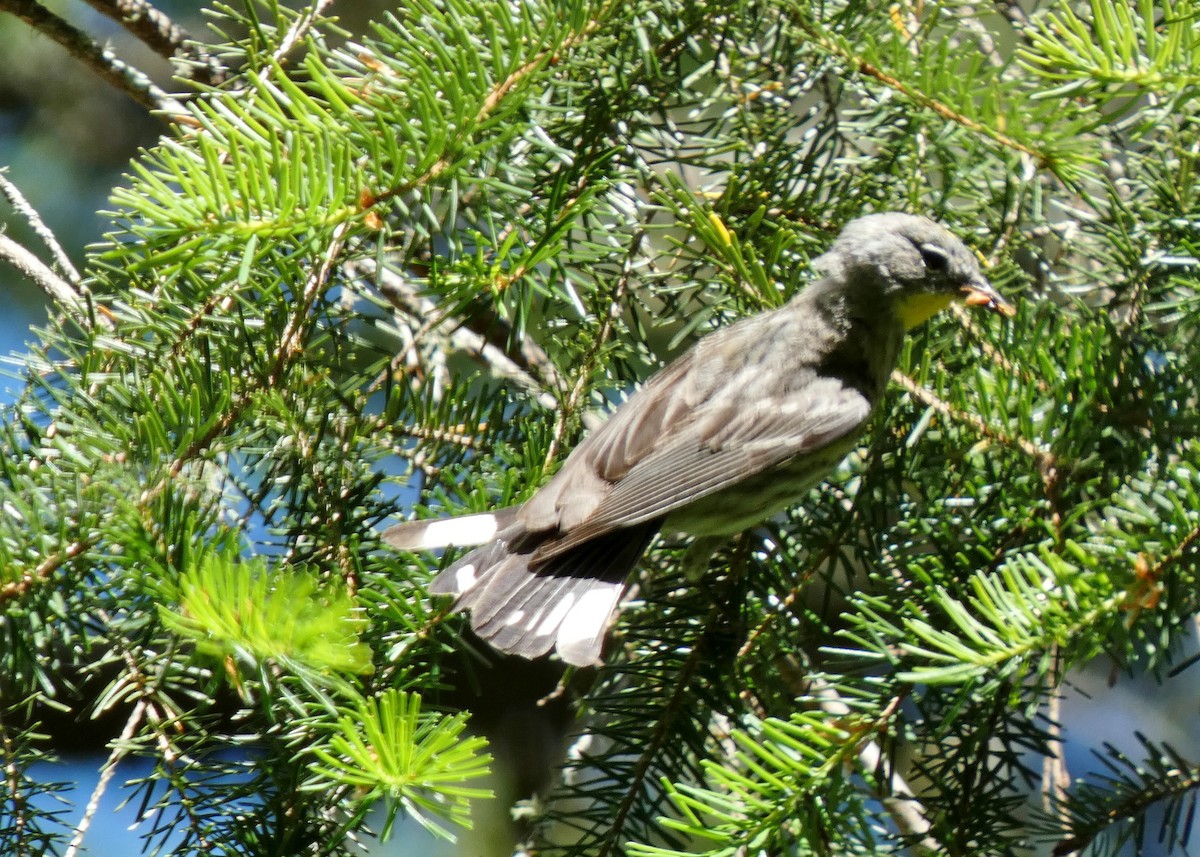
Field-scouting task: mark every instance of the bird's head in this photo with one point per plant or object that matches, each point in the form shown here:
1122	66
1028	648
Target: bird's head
910	262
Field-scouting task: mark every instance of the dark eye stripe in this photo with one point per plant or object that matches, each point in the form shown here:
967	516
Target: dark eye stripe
933	257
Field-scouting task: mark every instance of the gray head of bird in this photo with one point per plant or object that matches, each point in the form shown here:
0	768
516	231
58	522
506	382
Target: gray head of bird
912	263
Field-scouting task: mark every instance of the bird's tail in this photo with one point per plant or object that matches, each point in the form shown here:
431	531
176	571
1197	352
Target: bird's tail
564	604
463	531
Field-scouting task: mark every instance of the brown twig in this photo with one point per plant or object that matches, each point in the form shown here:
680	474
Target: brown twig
615	306
101	60
15	589
920	98
1045	460
22	207
156	30
40	274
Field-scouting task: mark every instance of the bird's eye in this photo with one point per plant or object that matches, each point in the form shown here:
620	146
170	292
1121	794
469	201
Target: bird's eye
933	257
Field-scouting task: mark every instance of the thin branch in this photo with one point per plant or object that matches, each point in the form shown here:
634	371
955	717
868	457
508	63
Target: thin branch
290	347
615	305
16	589
1046	461
120	748
894	792
658	737
918	97
17	804
22	207
157	31
802	579
983	37
72	297
490	103
529	366
299	27
1056	778
132	81
1012	11
61	291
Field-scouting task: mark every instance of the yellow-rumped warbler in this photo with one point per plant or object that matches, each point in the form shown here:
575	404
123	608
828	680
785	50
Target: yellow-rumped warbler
735	430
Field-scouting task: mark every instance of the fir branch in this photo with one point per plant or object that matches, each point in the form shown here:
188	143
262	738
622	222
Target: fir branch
897	797
1129	790
490	102
797	586
658	737
14	792
299	28
44	570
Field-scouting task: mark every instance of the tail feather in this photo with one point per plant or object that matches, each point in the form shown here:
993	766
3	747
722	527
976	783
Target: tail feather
463	575
565	604
463	531
511	629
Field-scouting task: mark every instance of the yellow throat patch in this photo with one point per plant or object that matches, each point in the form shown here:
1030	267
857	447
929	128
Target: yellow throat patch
916	309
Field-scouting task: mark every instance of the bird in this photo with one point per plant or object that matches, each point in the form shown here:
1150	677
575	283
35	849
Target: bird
737	429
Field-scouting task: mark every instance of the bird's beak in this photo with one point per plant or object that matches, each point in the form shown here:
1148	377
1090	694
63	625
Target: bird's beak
980	293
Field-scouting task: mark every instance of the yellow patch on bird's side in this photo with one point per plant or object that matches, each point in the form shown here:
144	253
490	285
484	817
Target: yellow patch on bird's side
915	309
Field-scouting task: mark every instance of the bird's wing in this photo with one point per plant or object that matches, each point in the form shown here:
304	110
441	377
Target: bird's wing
718	453
668	403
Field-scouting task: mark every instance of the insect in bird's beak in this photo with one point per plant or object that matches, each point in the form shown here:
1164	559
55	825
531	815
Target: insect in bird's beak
981	293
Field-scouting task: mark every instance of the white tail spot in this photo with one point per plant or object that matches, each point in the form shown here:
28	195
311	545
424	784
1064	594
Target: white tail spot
465	577
468	530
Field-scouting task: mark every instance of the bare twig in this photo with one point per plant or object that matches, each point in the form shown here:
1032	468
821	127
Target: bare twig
157	31
897	797
22	207
1011	9
615	306
529	366
39	272
132	81
106	774
1056	779
299	27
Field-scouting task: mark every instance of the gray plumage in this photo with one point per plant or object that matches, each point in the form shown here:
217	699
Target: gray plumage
732	432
